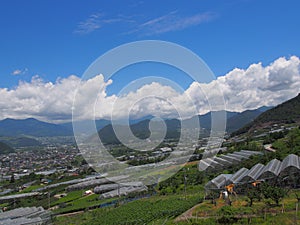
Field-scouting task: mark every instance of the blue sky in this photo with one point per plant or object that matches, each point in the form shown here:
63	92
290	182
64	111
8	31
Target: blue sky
58	38
45	37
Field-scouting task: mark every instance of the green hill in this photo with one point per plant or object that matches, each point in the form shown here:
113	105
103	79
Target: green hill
241	119
4	148
284	113
140	130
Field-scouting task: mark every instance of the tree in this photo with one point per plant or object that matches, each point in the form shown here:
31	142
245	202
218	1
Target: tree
298	198
12	179
293	138
252	194
272	192
227	215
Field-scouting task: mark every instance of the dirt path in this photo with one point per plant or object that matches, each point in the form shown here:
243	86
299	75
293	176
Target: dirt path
70	214
187	214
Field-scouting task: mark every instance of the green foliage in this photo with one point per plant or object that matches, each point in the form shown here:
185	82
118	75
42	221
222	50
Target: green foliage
4	148
175	184
272	137
272	192
253	194
293	138
71	196
290	144
143	211
287	112
227	215
82	203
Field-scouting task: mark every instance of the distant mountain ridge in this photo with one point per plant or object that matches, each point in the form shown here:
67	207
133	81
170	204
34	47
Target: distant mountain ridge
84	126
286	112
140	130
26	128
235	120
241	119
32	127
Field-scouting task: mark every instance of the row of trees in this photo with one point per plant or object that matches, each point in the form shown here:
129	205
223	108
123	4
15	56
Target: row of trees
265	191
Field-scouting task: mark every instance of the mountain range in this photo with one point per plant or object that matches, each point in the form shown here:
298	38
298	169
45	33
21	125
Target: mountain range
235	120
24	132
34	128
284	113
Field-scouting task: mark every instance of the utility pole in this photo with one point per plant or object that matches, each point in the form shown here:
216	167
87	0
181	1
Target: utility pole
185	179
48	199
119	194
296	216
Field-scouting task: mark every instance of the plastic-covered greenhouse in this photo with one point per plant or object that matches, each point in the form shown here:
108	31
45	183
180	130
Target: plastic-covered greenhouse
290	164
285	173
109	187
253	173
123	191
289	174
218	163
218	182
95	182
271	170
236	177
28	215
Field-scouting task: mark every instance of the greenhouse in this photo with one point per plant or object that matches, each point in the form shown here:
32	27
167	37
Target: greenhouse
16	196
28	215
231	159
285	173
236	177
218	163
271	170
212	152
123	191
69	182
290	171
290	164
238	156
109	187
94	182
253	173
204	165
219	182
222	161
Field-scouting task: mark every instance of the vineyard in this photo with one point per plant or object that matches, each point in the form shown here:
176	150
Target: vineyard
142	211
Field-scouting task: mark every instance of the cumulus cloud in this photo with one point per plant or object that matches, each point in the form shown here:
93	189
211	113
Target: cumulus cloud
241	89
257	85
47	100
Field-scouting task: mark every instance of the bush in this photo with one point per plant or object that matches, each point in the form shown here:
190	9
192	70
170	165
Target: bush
227	215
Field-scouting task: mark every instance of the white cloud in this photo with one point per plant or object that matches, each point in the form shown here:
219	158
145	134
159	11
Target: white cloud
173	22
97	21
259	86
162	24
19	72
89	25
243	89
47	100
